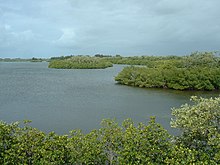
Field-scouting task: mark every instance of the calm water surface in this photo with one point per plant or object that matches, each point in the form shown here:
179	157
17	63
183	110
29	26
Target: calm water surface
62	100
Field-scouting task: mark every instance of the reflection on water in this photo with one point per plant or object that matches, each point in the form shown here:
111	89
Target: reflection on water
62	100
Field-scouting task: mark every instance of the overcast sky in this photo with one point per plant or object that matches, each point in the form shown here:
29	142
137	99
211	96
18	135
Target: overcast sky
45	28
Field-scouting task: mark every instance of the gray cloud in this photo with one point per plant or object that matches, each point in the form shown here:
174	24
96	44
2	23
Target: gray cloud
128	27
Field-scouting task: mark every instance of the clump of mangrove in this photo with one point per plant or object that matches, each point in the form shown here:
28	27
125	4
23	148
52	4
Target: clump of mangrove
80	62
199	71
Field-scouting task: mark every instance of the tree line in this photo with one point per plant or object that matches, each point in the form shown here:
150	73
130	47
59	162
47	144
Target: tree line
129	143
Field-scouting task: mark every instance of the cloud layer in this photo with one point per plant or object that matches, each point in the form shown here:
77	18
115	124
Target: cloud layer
46	28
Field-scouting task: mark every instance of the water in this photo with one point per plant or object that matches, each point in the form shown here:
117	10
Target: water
62	100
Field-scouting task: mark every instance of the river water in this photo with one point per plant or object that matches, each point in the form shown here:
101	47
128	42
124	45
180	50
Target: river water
62	100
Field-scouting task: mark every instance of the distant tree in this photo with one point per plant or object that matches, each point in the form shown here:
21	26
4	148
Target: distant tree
80	62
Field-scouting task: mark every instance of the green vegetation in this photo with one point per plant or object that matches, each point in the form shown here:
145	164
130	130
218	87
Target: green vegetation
13	60
150	61
175	78
199	71
22	60
36	60
200	125
80	62
199	142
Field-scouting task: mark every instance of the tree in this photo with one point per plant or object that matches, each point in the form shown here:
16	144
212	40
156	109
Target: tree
200	125
144	144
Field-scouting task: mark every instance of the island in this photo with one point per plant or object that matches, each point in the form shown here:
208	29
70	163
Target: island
80	62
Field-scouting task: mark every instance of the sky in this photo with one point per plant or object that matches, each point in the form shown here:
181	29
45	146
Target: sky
49	28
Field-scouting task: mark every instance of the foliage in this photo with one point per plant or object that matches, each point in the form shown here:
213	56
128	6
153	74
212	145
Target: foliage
206	59
150	61
144	144
129	144
199	71
174	78
36	60
111	144
22	60
200	125
80	62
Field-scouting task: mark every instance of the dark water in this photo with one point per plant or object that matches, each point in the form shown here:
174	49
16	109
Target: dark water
63	100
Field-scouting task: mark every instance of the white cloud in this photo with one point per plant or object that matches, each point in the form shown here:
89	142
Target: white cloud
67	39
9	38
